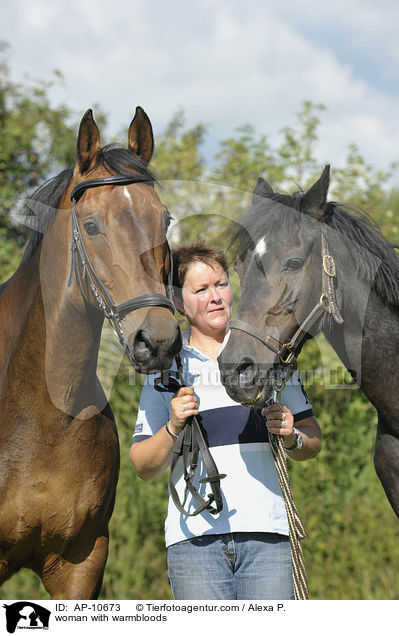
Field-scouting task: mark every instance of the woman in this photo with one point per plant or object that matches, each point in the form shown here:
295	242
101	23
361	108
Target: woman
243	552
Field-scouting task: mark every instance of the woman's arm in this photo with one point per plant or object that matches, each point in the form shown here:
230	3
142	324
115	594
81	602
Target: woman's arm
152	456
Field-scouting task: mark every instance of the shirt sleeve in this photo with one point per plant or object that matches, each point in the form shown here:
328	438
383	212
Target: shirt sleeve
153	411
296	399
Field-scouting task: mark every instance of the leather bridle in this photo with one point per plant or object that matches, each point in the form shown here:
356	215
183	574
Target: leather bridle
113	312
287	352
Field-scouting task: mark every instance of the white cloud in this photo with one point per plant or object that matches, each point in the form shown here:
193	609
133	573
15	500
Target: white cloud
225	63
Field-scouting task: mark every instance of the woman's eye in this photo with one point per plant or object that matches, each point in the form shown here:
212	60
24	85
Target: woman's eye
294	264
91	228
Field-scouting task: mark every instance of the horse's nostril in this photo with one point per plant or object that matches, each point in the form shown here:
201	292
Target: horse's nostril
142	344
247	373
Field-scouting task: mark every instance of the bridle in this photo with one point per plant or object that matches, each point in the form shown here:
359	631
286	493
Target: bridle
113	312
327	305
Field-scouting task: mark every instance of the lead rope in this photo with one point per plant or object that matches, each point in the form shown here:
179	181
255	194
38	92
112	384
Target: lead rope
296	528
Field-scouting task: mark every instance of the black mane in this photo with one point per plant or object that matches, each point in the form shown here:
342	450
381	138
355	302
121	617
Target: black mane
40	208
377	261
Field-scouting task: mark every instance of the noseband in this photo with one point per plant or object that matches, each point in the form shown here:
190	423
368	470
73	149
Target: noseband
114	313
327	304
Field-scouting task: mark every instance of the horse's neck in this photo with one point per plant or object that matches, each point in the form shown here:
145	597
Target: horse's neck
368	343
17	300
72	342
50	344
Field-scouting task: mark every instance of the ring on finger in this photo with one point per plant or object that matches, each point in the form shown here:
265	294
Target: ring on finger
283	418
186	407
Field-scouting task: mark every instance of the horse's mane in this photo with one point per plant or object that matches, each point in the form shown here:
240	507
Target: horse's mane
39	209
377	260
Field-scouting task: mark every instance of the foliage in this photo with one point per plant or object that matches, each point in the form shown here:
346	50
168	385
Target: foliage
297	150
37	139
351	549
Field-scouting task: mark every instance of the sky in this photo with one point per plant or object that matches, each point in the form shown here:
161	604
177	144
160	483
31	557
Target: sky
225	62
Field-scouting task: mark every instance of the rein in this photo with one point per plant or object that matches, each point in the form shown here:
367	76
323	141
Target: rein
189	444
296	529
113	312
326	305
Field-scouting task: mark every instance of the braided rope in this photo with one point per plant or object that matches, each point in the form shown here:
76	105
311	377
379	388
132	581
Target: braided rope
297	531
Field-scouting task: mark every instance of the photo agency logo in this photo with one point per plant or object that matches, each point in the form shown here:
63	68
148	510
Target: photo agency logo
26	615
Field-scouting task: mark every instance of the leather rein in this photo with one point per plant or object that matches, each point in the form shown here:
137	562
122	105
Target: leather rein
327	304
84	270
190	443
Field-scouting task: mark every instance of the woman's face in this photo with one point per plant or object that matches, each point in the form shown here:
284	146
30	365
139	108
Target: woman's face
207	298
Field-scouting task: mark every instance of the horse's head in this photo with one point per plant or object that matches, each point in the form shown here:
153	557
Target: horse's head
120	260
279	264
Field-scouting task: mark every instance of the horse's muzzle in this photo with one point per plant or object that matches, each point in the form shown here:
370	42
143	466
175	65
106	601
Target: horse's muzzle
150	351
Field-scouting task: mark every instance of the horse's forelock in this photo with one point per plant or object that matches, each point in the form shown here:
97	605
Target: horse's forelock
260	218
118	160
39	209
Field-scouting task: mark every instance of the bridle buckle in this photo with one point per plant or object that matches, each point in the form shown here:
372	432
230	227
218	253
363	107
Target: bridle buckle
329	265
286	355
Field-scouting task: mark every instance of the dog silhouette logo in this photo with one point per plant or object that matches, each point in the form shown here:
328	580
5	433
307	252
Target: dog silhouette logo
26	615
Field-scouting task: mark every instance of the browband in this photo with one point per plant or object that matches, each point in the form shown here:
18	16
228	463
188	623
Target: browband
80	188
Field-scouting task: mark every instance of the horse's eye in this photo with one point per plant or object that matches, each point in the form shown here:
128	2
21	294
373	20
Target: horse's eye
91	228
294	264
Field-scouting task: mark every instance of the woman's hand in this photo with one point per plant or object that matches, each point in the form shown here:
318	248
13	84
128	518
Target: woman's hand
184	404
279	420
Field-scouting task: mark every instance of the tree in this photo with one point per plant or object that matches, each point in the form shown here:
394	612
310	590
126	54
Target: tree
296	153
37	139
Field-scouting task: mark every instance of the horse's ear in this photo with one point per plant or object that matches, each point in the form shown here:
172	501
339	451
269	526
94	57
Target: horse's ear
262	189
88	143
141	139
314	200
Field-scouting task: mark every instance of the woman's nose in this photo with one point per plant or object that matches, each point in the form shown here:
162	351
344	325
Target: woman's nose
215	295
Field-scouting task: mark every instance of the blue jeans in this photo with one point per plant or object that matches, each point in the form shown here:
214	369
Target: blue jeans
239	565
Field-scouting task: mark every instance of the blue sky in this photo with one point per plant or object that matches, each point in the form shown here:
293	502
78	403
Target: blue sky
226	63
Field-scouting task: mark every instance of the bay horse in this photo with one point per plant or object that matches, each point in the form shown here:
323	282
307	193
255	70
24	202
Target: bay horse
308	265
98	249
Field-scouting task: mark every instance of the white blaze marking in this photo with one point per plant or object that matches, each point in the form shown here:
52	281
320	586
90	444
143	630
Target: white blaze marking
261	247
127	195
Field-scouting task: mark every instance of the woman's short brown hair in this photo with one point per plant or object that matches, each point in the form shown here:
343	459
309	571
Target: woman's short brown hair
186	255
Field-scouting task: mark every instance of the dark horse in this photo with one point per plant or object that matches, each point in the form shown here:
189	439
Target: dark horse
308	265
107	254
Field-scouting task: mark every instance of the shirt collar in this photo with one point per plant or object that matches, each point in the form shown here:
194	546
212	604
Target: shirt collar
186	333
